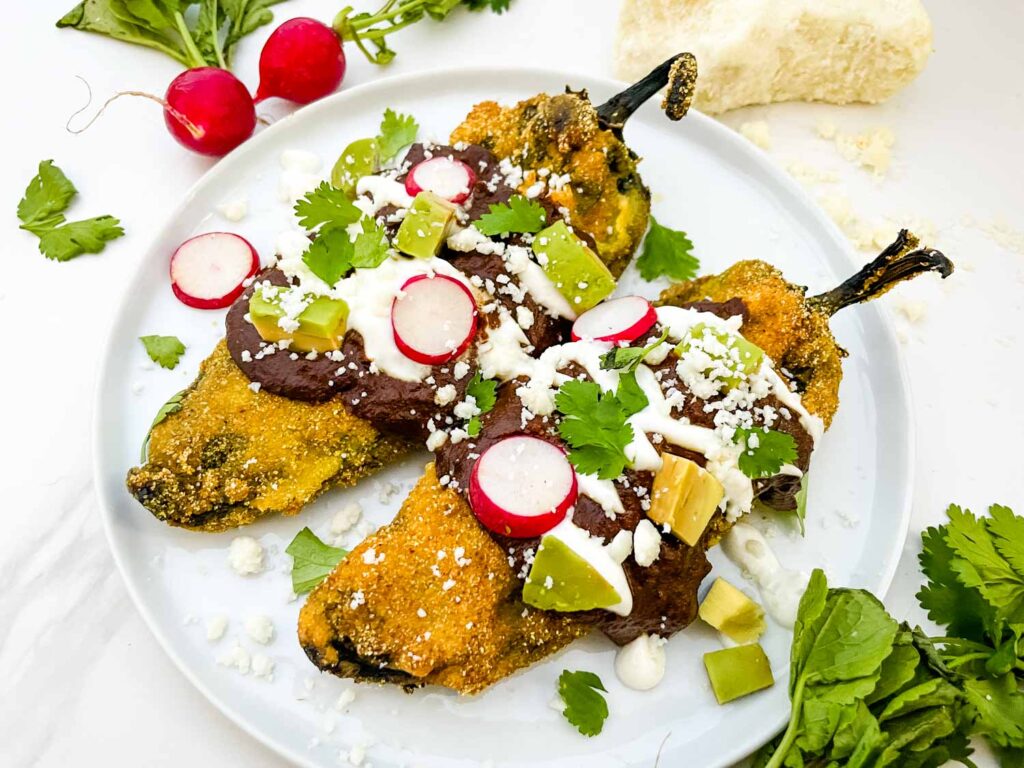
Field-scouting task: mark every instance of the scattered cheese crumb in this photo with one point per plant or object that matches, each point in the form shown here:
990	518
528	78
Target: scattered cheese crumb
871	150
237	658
215	627
758	133
445	394
346	517
345	698
262	666
234	210
245	555
260	628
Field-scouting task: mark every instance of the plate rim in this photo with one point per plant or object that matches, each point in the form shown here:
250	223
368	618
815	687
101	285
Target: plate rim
741	749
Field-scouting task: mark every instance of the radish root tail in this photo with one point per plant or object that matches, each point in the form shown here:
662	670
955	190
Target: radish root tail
189	126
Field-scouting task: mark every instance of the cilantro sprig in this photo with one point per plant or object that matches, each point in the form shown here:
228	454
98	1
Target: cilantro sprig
585	707
517	215
594	424
397	131
765	451
370	30
326	207
629	358
334	254
312	560
667	253
484	393
165	351
41	212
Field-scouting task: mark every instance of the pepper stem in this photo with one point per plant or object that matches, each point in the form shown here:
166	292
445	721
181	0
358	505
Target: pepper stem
680	75
900	261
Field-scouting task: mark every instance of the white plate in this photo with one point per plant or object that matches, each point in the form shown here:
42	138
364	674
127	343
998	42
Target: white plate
734	204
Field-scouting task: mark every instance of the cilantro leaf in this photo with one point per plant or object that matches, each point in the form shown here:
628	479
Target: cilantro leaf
77	237
46	198
313	560
629	358
630	394
326	207
595	427
163	350
947	601
397	131
585	707
1000	709
41	211
370	248
667	253
484	393
329	257
979	564
517	215
765	451
173	405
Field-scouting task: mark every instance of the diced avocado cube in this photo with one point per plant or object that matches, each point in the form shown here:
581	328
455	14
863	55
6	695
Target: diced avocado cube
732	613
562	580
739	355
359	159
425	226
321	325
685	496
737	672
577	272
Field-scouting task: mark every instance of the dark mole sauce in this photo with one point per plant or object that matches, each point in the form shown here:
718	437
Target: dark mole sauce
664	593
388	403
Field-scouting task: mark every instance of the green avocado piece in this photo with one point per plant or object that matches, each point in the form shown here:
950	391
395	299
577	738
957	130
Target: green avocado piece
322	324
425	226
744	357
739	671
360	158
561	580
732	613
577	272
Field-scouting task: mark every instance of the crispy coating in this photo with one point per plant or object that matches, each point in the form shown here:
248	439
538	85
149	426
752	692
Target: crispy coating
791	331
231	455
605	195
397	610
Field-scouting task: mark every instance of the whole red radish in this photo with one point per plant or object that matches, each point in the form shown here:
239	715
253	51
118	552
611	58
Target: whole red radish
209	111
302	61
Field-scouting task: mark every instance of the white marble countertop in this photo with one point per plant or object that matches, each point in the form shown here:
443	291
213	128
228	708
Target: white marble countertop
84	682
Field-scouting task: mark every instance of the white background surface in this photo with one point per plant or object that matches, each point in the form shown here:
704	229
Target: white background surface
83	681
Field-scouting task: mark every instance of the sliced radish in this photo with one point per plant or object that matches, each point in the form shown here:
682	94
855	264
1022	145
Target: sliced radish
444	176
624	319
208	271
522	486
433	318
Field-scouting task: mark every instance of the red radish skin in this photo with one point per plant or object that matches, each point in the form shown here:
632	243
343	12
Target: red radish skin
522	487
302	61
209	111
617	320
209	271
444	176
433	319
